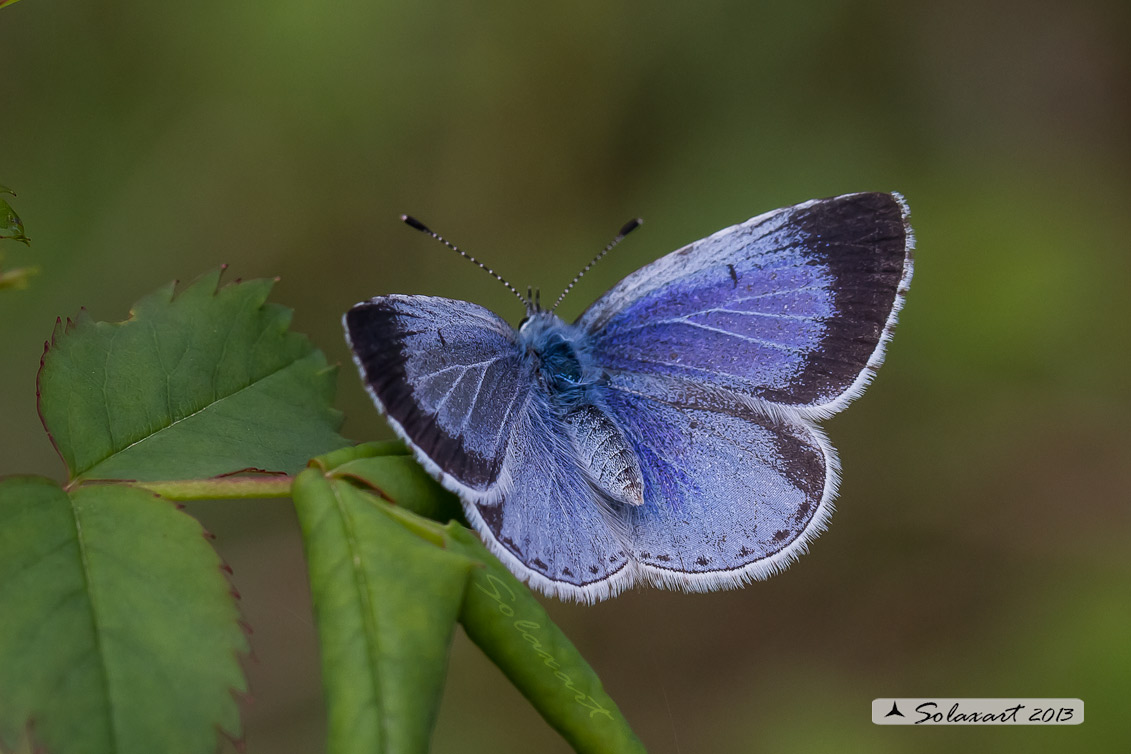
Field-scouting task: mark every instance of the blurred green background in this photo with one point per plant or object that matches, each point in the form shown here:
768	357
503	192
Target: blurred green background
981	546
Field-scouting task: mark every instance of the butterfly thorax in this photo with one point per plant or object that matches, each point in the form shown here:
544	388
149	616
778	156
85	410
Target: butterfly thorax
562	366
572	383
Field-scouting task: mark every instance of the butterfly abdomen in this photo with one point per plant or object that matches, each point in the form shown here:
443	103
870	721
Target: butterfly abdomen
606	454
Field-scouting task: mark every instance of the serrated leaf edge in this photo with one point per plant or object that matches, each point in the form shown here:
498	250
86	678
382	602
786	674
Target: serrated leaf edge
174	293
240	695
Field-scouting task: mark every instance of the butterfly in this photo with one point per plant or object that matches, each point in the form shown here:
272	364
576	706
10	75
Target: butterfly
668	436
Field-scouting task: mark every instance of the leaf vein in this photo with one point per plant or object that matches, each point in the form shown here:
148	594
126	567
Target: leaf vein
195	411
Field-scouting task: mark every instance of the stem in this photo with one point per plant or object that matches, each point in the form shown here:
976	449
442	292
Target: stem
227	488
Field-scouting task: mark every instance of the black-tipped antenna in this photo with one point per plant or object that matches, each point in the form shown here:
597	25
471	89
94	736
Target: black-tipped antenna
629	226
412	222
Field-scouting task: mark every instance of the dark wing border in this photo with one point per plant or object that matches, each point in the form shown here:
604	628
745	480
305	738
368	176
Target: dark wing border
377	331
863	240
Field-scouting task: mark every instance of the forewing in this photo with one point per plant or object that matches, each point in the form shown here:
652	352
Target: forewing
450	379
792	307
551	528
727	498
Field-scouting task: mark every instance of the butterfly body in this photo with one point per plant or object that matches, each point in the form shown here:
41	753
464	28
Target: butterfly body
667	436
561	363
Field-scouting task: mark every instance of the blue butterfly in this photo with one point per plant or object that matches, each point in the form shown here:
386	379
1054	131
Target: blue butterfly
668	436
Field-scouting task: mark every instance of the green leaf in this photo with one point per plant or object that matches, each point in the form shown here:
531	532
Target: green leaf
336	458
400	480
386	602
506	621
10	225
119	633
7	2
499	613
200	384
389	469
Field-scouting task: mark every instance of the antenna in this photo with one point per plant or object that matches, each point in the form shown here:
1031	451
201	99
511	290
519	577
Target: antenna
412	222
629	226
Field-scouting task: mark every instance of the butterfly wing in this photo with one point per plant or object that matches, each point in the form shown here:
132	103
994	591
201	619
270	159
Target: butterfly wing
728	497
791	308
450	379
719	356
551	528
455	387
